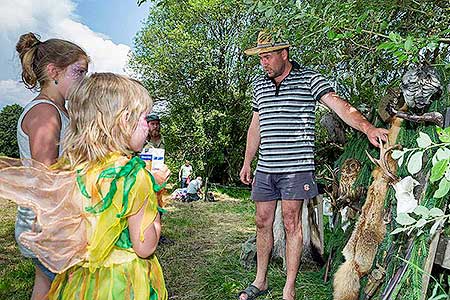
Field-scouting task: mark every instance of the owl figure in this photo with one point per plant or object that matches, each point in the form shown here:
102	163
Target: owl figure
349	172
420	86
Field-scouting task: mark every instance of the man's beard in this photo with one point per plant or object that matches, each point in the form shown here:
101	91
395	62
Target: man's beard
155	133
275	73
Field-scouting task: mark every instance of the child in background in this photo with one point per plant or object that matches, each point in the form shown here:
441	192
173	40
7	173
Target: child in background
52	67
102	236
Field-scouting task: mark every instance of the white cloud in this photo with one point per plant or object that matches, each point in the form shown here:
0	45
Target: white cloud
50	19
12	91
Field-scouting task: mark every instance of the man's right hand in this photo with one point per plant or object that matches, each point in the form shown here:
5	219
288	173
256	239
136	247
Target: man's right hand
245	174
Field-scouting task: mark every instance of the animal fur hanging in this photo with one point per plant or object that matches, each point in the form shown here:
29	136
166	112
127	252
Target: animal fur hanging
370	230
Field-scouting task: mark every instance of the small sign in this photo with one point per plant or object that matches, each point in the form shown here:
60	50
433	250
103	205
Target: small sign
155	155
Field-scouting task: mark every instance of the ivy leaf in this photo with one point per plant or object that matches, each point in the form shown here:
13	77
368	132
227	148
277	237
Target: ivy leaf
424	140
395	37
441	153
415	162
396	154
438	170
269	12
436	212
404	219
386	46
261	7
421	223
421	211
444	187
443	134
398	230
408	43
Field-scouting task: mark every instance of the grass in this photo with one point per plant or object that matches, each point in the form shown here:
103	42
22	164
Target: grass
16	272
201	263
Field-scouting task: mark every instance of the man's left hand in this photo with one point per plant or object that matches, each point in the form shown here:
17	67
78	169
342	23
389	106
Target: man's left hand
374	133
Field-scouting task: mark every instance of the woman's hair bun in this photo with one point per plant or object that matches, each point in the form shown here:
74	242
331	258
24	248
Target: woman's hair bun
26	42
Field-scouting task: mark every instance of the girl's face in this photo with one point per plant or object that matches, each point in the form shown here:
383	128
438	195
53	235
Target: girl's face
140	134
71	75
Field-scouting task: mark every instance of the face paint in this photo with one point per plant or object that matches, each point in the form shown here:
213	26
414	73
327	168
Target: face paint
72	74
76	71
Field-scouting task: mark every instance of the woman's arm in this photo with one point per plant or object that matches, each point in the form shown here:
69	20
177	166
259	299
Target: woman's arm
42	124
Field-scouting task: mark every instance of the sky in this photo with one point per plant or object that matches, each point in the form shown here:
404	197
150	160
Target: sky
103	28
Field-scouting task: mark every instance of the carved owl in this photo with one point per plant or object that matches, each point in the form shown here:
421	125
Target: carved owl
349	172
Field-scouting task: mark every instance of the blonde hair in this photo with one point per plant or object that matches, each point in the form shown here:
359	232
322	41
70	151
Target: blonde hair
104	111
35	56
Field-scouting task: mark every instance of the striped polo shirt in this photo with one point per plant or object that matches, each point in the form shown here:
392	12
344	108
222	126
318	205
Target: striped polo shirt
287	120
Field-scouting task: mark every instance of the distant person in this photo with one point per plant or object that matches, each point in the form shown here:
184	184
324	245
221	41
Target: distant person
193	190
102	236
52	67
185	173
154	139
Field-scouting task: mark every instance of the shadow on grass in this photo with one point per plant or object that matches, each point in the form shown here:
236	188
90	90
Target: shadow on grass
201	263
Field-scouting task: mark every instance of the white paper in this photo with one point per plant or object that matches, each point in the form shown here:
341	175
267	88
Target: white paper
404	193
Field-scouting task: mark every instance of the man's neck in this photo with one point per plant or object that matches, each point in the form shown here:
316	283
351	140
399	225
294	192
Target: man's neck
287	70
155	139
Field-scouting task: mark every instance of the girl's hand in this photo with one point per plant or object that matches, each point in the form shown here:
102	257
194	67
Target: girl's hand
161	175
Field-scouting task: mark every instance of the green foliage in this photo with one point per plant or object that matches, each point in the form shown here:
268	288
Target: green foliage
364	45
188	55
9	116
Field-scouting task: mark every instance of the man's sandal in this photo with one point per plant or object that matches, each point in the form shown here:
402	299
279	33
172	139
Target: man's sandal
252	292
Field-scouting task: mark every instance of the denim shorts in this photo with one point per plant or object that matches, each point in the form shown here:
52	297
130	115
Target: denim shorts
44	270
284	186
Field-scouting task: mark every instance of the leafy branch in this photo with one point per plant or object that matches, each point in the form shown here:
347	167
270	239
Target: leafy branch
425	216
441	159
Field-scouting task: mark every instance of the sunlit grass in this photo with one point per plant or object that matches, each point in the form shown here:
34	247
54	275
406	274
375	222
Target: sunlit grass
202	262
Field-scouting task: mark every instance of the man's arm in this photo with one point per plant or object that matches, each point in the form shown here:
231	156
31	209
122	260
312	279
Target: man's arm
253	139
354	118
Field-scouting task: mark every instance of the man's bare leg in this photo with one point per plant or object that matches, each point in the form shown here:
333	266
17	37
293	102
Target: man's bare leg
294	243
265	214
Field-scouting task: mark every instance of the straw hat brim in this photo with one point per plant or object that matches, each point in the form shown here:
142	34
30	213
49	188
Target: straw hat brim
265	49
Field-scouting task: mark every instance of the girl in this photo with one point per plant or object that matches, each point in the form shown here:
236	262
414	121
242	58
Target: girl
51	67
101	237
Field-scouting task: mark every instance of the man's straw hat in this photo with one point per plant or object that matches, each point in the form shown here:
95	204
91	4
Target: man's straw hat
266	44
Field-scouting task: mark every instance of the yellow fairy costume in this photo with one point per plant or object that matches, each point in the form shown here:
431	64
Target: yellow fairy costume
81	229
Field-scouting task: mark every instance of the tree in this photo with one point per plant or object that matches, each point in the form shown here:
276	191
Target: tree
9	116
189	55
365	46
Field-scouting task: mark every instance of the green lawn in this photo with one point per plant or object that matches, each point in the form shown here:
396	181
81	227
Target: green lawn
202	263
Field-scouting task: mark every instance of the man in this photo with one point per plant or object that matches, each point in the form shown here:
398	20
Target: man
282	127
193	190
185	173
154	139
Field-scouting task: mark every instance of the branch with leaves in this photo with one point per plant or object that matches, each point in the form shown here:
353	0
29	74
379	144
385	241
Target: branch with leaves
421	216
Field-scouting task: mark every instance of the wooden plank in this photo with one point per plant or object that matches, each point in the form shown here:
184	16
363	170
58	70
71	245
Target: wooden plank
319	199
428	266
443	253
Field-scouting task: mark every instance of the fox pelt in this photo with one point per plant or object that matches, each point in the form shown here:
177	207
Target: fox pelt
362	246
